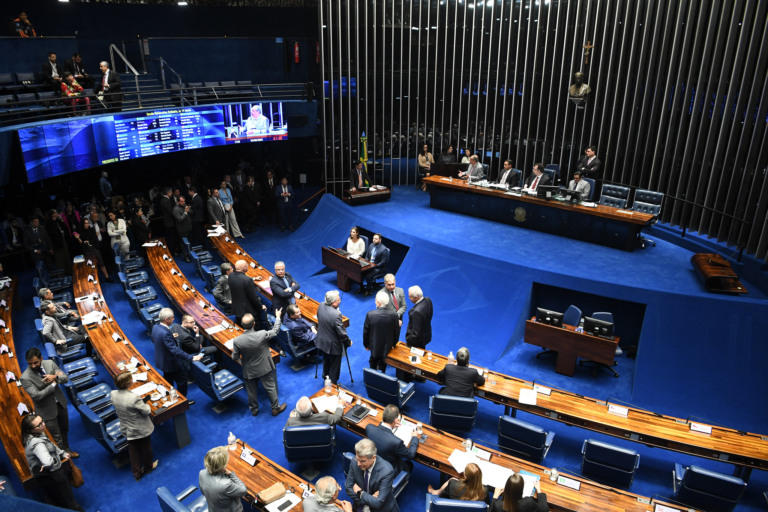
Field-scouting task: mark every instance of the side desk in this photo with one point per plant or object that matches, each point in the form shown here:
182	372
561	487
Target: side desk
113	346
347	269
570	345
439	445
11	393
744	450
230	251
354	198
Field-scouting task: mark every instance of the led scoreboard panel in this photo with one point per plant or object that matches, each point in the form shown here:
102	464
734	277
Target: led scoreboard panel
59	148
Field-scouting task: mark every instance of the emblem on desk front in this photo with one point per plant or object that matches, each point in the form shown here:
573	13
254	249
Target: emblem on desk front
520	214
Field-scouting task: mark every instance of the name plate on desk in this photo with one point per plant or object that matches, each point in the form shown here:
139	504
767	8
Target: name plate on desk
542	390
253	265
618	410
419	352
166	258
569	482
174	272
238	251
698	427
248	457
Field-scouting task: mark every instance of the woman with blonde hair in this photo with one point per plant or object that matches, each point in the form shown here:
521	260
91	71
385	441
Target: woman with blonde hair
470	488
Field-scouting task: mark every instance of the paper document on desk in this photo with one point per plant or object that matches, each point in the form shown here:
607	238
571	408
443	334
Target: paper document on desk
527	396
92	317
493	474
326	403
404	431
150	244
216	328
230	344
140	377
144	388
289	501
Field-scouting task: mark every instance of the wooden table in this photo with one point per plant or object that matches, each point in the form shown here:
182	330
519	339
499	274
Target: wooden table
356	197
717	274
602	224
264	474
230	251
570	345
347	269
11	393
112	352
192	303
439	445
743	449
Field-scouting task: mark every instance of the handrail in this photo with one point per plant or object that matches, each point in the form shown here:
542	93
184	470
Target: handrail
163	65
112	50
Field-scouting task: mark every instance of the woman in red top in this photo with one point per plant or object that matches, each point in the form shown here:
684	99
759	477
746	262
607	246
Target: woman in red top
73	90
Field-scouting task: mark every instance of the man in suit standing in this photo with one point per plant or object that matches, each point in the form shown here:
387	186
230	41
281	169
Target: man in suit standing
41	381
169	221
303	414
38	243
390	447
269	201
358	177
589	164
508	176
197	212
396	300
110	87
216	208
380	331
221	291
250	203
378	254
369	480
332	338
169	357
580	185
284	195
252	350
419	331
245	297
460	379
536	178
182	214
283	287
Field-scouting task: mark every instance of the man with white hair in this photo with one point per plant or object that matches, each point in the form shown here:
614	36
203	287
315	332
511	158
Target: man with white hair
419	331
304	415
110	88
326	493
168	354
369	480
380	331
332	338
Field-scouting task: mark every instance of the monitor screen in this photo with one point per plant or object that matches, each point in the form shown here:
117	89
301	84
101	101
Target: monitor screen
597	327
545	316
547	191
59	148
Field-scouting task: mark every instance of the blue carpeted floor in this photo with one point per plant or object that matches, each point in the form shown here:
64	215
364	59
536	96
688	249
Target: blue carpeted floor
483	278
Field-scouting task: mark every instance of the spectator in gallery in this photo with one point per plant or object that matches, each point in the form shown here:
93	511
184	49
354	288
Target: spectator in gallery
73	91
448	157
53	72
284	194
38	243
75	66
105	187
465	156
23	27
109	88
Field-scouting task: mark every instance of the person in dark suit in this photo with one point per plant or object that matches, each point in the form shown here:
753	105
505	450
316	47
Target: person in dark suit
269	200
53	72
216	210
42	381
251	349
75	66
507	176
363	491
396	300
536	178
250	203
182	214
110	88
284	195
38	243
332	338
460	379
380	331
169	221
245	297
135	424
302	332
188	337
390	447
168	355
378	254
358	177
303	414
222	489
221	291
510	499
419	331
283	287
589	164
197	213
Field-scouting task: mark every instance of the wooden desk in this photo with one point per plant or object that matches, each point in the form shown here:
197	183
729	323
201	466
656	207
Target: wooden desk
264	474
600	225
347	269
11	394
189	301
434	453
111	352
570	345
230	251
356	197
717	274
728	445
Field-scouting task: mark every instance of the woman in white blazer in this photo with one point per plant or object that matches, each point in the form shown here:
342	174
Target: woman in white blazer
116	228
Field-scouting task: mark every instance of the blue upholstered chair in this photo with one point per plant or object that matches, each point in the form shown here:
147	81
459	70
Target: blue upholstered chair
289	346
140	296
219	385
47	279
453	414
608	463
709	490
309	444
129	262
398	484
437	504
614	195
174	503
591	189
99	400
648	201
82	375
523	439
108	434
187	249
206	267
71	353
552	176
386	390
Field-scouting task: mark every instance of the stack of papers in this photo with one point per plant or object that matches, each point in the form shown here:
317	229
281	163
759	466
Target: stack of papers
144	388
93	317
326	403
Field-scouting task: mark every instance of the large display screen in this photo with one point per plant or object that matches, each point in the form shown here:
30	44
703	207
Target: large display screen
54	149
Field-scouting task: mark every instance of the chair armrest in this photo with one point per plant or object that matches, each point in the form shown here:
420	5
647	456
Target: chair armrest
186	493
677	476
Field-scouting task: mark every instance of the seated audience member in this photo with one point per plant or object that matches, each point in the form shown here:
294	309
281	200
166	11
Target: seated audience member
326	493
14	232
390	447
536	178
53	72
474	171
73	91
469	488
58	334
71	218
75	66
188	337
508	176
510	499
302	332
460	379
222	489
466	156
23	27
425	161
63	311
580	185
303	414
377	254
221	291
355	244
449	157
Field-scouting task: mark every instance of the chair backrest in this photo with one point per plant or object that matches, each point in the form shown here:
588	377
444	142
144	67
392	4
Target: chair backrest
639	206
554	167
572	316
381	387
203	376
591	188
309	442
612	201
649	196
609	463
617	191
454	414
437	504
25	77
605	316
26	97
551	174
522	438
705	488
